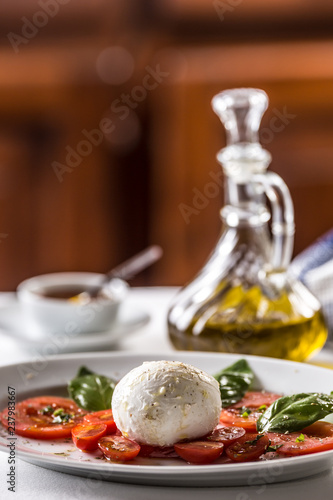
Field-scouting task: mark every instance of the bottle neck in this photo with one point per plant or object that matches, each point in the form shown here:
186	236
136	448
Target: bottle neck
245	203
244	198
245	162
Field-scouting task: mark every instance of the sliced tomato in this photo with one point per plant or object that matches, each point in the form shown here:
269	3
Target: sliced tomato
225	434
34	417
86	436
246	412
234	417
312	439
118	448
319	429
247	448
157	451
199	452
102	417
256	399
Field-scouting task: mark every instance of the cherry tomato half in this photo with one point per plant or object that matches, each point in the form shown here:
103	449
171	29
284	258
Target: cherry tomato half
118	448
86	436
226	435
199	452
312	439
37	417
247	448
102	417
157	451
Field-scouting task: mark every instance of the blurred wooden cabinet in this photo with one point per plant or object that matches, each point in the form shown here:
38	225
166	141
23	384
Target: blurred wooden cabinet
167	188
81	218
186	135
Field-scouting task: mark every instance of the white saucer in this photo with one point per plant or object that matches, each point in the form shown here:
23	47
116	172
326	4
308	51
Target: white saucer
16	326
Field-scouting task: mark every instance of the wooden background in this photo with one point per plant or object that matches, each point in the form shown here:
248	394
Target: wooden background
127	193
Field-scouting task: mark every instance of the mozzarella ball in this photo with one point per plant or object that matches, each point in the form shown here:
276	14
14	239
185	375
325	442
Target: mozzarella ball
162	402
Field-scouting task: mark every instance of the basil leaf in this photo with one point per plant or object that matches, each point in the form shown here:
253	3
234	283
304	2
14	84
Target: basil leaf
255	440
293	413
92	392
83	370
273	447
234	381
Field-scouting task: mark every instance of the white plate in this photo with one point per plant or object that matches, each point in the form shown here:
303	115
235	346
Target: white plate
51	377
16	326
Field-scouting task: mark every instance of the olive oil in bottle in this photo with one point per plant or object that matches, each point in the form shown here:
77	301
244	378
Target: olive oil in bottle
276	330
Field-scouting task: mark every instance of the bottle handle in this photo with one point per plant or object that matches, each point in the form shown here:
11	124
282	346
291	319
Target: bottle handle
282	210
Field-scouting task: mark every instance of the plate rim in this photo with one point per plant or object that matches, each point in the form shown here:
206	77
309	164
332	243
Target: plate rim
158	354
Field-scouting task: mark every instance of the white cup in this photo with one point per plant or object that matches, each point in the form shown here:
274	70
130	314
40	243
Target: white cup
53	315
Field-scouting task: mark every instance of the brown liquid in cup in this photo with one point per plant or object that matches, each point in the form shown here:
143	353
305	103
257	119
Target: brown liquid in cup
62	292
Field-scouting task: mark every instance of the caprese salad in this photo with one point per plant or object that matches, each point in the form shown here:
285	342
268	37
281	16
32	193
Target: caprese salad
168	409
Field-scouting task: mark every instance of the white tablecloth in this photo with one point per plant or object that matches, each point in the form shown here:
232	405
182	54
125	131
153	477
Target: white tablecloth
37	483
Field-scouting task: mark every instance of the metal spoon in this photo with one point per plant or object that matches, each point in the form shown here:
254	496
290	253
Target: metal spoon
124	271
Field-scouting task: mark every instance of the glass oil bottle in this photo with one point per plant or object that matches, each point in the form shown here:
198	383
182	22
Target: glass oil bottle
244	300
